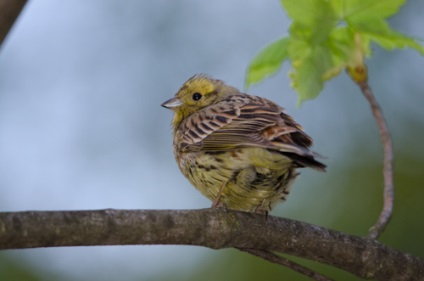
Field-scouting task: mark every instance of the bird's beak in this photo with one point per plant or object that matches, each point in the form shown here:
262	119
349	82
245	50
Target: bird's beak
172	103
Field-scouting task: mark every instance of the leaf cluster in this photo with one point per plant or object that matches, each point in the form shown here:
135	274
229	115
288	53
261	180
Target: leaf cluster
327	36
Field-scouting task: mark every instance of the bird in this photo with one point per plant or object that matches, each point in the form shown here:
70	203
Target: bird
241	151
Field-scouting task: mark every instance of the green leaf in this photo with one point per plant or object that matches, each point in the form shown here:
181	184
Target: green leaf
307	74
309	12
307	80
355	11
382	34
342	46
267	62
396	40
312	19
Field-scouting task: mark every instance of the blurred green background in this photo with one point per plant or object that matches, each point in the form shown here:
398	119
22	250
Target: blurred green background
81	127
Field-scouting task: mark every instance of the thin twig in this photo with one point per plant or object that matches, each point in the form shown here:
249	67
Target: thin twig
274	258
386	213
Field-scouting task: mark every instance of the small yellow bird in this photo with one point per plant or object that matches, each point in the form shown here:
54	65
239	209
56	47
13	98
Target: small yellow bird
240	151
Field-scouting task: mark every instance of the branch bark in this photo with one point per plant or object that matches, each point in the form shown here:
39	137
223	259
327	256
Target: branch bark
274	258
213	228
9	11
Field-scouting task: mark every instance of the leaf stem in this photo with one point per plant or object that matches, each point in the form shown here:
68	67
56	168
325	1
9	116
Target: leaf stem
386	213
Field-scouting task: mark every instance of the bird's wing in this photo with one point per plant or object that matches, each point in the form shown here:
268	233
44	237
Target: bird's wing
246	121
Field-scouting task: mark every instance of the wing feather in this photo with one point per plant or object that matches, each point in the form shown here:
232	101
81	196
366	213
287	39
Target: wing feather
247	121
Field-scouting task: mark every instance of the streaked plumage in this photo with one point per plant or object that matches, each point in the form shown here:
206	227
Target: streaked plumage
240	151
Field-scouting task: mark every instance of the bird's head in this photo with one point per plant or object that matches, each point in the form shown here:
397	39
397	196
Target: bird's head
198	92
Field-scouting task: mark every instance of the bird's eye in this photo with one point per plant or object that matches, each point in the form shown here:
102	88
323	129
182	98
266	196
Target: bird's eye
197	96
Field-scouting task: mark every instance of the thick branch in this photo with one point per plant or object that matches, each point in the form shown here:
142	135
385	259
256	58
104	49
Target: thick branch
211	228
9	11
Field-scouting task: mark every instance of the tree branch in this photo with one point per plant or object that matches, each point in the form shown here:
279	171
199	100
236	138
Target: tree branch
274	258
9	11
213	228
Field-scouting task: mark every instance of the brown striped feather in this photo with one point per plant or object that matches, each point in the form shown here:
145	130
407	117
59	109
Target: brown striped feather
246	121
